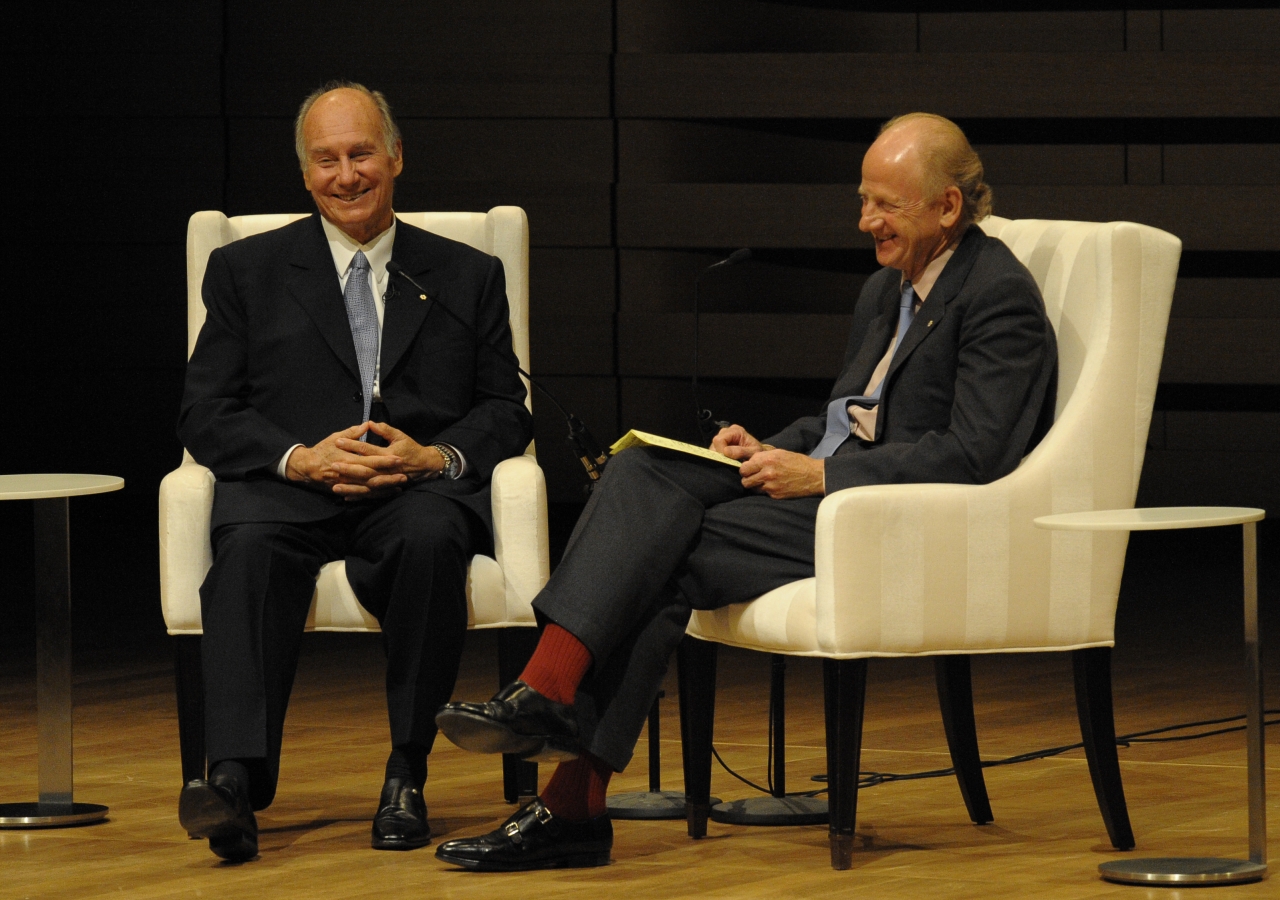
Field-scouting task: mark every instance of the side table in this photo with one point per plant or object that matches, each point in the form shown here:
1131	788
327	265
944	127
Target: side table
55	808
1191	871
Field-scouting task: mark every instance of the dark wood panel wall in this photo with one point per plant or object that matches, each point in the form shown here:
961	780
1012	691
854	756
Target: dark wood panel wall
646	139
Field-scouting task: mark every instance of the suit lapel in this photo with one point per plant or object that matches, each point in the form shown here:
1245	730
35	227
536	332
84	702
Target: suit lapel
405	310
879	333
944	291
313	284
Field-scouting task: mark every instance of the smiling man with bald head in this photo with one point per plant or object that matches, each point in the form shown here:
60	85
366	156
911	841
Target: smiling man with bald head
949	376
343	420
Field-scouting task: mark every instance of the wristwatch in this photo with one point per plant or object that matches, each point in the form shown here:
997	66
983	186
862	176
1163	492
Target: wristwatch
452	465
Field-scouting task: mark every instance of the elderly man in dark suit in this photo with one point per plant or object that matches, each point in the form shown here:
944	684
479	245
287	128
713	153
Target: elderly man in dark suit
950	375
343	420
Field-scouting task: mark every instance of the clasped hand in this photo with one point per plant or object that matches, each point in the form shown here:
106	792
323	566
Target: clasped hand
779	474
357	470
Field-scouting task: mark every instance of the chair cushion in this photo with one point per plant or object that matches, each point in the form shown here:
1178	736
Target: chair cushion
781	621
335	607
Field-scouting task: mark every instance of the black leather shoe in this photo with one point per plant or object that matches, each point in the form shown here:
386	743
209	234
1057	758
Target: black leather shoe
533	839
517	720
401	822
218	809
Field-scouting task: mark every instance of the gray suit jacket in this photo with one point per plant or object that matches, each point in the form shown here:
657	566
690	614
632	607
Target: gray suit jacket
971	389
275	365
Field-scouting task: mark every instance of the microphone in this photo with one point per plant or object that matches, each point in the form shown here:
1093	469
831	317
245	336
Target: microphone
585	445
703	416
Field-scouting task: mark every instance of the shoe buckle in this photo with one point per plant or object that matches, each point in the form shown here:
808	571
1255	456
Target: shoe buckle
542	814
512	831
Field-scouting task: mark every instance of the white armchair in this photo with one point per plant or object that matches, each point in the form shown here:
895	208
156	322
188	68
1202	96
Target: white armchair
983	578
500	589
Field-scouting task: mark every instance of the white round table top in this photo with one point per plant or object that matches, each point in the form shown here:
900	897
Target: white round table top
42	486
1151	519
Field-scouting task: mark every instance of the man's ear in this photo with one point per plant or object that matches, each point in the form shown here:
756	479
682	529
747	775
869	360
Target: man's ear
952	205
399	162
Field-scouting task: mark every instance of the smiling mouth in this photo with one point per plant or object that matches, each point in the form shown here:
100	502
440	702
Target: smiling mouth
351	198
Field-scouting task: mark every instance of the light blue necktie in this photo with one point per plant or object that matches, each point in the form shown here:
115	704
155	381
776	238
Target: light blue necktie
838	429
363	316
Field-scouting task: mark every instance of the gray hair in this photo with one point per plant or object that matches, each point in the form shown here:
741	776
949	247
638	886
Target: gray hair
949	160
390	131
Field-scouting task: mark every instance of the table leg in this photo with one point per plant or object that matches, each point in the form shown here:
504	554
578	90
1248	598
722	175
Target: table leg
56	807
1254	708
53	653
1210	870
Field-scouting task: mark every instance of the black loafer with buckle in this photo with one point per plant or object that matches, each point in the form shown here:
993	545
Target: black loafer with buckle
533	838
517	720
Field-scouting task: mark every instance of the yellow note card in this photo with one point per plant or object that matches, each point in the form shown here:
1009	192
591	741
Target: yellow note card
635	438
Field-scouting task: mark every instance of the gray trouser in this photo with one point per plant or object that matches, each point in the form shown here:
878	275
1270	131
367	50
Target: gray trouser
663	534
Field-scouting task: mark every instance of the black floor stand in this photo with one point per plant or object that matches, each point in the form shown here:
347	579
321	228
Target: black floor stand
778	808
654	803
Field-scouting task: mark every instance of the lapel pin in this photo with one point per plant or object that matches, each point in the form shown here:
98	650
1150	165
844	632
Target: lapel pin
424	297
930	325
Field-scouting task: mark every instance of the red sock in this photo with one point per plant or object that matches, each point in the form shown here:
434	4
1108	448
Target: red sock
558	665
577	788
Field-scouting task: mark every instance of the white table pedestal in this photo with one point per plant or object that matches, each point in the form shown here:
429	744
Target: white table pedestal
1192	871
56	806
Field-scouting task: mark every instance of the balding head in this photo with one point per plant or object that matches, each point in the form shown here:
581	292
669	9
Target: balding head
945	158
349	166
910	207
386	122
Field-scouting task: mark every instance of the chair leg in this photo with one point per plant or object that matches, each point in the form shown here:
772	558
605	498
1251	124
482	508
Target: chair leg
1097	727
955	699
697	678
515	646
844	683
189	684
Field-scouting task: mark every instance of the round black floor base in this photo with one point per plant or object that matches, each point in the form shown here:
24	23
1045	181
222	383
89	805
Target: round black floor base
1191	871
772	811
649	805
49	815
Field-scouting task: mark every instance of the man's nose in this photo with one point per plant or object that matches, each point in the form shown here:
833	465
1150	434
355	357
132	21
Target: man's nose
868	221
347	171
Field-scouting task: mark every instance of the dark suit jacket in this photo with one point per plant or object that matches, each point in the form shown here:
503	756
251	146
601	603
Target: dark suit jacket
971	389
275	365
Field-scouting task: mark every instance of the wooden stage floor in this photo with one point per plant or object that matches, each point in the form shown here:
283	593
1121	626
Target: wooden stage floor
1177	660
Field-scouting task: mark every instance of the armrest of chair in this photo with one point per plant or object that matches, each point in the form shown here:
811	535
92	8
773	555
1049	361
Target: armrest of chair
915	568
186	499
957	568
520	533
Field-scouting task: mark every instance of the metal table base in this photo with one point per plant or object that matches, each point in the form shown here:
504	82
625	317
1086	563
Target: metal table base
56	806
1189	871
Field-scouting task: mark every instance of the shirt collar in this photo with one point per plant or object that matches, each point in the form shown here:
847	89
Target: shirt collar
343	248
929	277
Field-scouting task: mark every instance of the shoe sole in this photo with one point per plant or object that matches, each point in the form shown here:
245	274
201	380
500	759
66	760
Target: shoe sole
399	843
480	734
205	814
203	811
570	861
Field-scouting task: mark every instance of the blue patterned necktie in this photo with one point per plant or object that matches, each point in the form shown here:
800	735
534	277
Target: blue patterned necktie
838	429
363	316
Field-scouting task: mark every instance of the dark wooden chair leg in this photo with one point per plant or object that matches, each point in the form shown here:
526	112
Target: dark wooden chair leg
1097	727
697	679
515	646
844	683
955	699
189	684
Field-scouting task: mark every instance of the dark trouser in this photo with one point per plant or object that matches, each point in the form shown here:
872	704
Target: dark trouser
407	563
663	534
